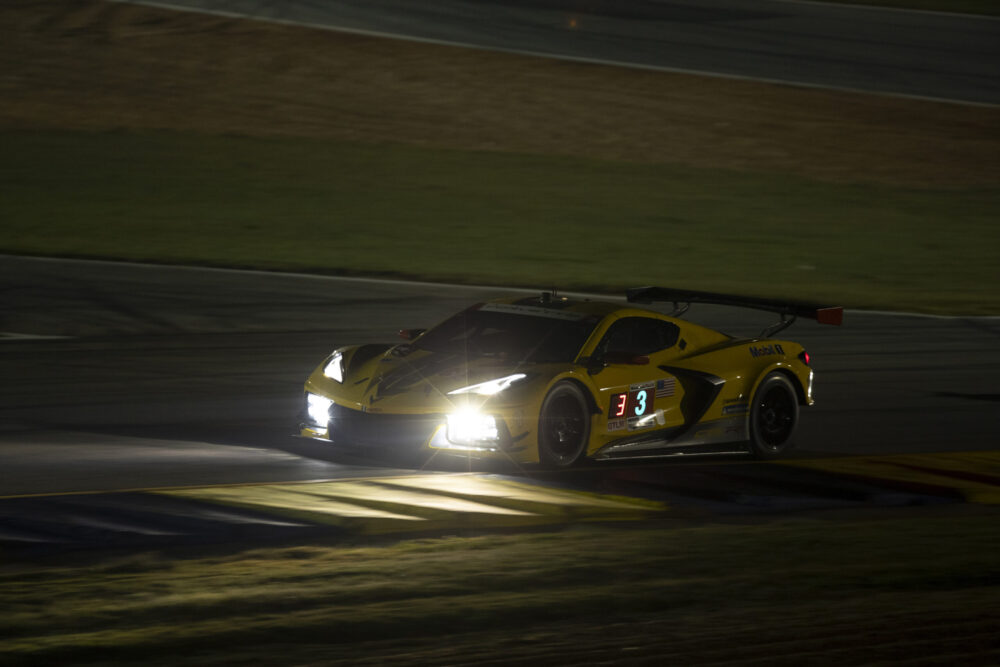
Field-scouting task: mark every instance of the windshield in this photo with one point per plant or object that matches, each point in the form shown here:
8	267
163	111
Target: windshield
512	332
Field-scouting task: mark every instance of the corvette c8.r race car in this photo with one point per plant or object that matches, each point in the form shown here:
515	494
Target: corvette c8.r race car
555	381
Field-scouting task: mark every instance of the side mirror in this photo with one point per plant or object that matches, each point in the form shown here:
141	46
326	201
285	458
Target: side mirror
594	365
411	334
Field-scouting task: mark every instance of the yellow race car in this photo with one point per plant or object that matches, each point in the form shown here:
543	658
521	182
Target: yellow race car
556	381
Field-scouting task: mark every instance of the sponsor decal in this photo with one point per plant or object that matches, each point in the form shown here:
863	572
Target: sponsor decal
654	418
616	424
735	408
641	386
765	350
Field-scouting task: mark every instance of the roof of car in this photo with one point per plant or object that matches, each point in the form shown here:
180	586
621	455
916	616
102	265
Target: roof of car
561	303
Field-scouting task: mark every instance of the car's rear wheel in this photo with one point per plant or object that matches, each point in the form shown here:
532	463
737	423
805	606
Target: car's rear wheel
563	426
773	416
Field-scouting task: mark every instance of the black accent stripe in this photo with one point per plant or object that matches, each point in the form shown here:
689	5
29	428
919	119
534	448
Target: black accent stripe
712	386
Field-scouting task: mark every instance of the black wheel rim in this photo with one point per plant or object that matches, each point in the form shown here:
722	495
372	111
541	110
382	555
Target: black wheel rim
564	426
775	417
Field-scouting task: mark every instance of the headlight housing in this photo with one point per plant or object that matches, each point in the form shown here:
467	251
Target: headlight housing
318	409
334	368
490	387
470	428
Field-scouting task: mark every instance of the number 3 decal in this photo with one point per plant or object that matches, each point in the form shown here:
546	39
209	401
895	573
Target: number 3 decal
641	408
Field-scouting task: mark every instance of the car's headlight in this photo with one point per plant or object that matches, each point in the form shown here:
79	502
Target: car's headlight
318	408
334	368
470	427
490	387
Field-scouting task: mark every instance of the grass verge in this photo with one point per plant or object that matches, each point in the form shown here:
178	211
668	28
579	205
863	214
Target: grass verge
905	587
500	218
135	132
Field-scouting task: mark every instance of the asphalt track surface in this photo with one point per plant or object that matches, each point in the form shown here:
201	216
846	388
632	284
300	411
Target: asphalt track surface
920	54
122	376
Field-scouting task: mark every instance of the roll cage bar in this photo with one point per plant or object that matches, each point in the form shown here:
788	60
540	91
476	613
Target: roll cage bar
787	310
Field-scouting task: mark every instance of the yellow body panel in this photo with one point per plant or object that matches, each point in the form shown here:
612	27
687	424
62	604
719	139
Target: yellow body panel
697	391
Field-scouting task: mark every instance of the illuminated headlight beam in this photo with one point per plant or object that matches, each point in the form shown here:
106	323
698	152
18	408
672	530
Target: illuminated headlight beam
318	408
490	387
469	427
334	368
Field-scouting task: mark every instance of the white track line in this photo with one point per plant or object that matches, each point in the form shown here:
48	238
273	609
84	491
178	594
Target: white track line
415	283
8	336
552	56
900	10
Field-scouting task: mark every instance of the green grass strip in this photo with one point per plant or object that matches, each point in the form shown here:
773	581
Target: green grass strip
506	219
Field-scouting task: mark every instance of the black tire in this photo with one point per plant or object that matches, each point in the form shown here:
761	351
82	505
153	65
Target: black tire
563	426
774	414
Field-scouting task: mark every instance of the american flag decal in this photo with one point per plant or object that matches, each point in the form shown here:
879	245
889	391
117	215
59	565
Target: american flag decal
665	388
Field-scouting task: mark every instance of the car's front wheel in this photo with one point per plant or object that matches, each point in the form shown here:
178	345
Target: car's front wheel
563	426
773	416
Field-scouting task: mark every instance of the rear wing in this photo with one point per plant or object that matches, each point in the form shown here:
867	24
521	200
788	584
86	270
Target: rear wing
789	310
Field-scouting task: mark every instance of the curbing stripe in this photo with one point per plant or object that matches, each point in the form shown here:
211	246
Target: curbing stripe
974	476
420	503
292	502
510	491
424	503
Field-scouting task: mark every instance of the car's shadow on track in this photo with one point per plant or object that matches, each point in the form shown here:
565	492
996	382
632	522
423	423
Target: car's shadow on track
643	477
276	435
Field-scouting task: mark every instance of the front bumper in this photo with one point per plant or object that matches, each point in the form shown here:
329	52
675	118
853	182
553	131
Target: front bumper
367	429
363	429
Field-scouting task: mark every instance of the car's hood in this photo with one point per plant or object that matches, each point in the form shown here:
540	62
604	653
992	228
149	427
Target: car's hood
422	381
444	372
